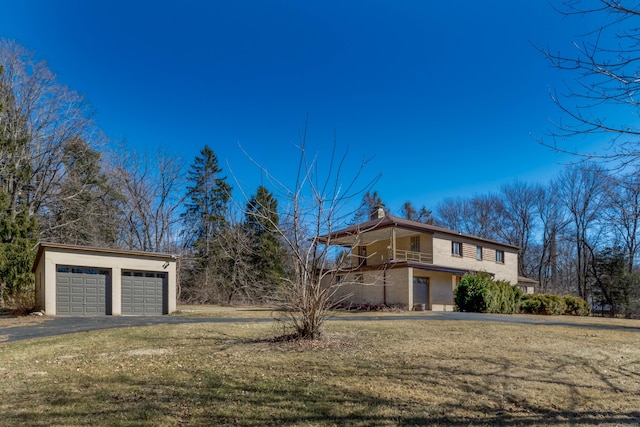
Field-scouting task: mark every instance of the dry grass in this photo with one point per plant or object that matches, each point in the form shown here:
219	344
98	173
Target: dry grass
8	319
413	372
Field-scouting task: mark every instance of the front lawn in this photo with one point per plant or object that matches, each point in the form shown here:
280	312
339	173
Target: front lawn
418	372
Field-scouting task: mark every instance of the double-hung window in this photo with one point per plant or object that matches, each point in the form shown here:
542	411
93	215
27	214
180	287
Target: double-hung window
500	257
479	253
456	248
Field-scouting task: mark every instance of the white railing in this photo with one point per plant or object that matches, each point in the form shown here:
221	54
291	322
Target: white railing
421	257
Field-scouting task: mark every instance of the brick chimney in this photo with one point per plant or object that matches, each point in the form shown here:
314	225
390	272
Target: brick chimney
378	212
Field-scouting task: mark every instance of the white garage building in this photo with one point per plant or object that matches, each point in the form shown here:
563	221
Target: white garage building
84	281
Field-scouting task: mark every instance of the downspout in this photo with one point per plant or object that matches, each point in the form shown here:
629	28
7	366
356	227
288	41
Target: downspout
384	285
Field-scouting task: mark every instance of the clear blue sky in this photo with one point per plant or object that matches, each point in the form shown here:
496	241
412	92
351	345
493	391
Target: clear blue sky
443	95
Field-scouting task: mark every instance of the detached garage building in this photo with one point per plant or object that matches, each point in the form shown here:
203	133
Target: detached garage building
84	281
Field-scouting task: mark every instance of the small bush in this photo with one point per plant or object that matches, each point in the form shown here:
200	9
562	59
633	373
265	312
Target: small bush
470	293
21	304
481	294
501	297
576	306
542	304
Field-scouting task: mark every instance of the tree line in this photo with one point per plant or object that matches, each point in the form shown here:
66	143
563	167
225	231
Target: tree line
60	182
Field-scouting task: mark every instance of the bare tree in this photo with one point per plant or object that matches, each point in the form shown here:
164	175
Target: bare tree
623	214
552	220
151	188
317	203
599	97
38	116
84	209
45	115
520	201
479	215
581	191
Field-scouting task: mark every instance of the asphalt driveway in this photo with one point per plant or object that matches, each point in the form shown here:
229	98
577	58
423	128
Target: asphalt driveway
61	325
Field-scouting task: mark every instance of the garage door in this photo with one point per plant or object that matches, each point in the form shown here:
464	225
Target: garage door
82	291
144	292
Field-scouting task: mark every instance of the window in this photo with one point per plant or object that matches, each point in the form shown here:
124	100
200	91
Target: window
338	279
362	255
479	253
500	256
456	248
415	243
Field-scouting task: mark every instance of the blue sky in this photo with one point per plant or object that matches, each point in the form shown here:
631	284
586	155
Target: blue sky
443	96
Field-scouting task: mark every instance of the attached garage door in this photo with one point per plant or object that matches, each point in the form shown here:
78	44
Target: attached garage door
82	290
144	292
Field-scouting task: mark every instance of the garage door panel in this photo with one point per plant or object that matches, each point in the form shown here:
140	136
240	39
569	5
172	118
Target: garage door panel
81	290
143	293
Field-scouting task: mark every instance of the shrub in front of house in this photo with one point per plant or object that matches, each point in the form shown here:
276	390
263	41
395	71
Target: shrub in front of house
479	293
542	304
470	293
576	306
502	297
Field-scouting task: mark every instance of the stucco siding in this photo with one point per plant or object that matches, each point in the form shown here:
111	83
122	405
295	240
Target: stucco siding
115	263
377	287
378	252
398	286
503	271
441	289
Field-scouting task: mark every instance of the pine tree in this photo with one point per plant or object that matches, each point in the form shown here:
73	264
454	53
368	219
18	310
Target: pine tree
261	222
18	226
85	209
370	202
205	217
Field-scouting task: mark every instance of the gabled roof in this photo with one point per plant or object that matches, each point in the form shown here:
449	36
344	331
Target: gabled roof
348	234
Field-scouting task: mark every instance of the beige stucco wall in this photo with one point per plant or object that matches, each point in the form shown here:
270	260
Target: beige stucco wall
502	271
377	253
377	287
441	288
45	273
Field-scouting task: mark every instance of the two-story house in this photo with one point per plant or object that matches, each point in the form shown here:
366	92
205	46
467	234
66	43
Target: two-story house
395	261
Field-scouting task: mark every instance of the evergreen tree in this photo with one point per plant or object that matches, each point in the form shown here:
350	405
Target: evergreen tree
84	211
422	215
205	217
261	222
208	196
370	202
18	226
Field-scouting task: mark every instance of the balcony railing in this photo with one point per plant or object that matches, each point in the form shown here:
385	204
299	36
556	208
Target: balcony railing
421	257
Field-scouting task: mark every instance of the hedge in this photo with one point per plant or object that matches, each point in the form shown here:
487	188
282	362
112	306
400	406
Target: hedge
481	294
554	305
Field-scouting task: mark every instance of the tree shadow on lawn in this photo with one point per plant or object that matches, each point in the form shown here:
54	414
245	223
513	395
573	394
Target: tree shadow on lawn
430	389
219	401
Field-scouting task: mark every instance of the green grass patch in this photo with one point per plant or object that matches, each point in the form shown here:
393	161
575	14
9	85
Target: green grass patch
382	373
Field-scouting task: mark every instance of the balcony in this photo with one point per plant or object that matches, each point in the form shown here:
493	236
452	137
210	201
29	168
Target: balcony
420	257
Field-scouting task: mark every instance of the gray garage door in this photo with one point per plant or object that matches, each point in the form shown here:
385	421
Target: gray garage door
82	291
144	292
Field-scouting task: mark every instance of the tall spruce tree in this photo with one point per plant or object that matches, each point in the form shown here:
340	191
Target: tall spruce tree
205	217
261	222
